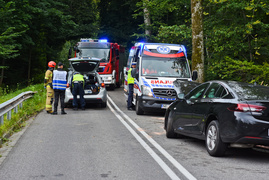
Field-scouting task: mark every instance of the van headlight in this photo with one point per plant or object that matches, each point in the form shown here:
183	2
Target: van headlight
146	91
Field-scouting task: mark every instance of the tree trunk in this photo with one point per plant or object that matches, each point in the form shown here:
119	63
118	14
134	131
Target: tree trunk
147	21
197	39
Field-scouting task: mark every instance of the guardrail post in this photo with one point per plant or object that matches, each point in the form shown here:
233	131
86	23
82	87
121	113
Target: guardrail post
16	109
1	120
9	115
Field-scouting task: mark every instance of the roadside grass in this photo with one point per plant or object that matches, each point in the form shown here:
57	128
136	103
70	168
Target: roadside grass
30	108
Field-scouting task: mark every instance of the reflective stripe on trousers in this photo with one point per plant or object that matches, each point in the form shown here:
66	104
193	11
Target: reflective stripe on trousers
49	100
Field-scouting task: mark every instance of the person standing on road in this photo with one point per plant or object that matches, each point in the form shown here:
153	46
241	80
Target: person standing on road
78	89
130	81
59	85
48	86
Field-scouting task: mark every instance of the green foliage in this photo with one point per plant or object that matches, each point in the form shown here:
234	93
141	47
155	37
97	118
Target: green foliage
245	71
164	13
176	34
30	108
238	29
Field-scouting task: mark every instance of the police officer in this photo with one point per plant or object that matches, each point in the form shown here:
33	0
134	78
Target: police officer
78	89
59	85
48	86
130	81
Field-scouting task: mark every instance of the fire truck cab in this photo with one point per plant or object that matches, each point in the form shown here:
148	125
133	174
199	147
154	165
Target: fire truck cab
111	55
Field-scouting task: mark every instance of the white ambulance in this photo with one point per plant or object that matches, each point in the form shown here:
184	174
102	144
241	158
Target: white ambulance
158	65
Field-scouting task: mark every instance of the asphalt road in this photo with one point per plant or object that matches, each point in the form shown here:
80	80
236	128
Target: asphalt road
114	143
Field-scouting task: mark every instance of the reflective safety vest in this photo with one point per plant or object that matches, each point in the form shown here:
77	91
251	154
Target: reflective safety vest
78	77
130	79
59	79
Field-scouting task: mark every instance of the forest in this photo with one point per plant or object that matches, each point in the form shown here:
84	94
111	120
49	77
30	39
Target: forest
32	33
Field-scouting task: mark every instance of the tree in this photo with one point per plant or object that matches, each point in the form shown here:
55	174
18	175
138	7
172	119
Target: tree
197	39
238	31
8	34
116	21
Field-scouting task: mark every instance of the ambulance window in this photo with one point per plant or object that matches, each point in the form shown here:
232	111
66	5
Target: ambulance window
137	55
130	57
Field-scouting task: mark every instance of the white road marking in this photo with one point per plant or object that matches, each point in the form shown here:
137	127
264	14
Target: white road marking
185	172
164	166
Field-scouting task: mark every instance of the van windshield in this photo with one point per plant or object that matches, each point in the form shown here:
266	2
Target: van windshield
102	54
167	67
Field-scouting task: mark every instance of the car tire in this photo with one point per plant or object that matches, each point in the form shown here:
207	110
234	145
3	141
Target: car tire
214	144
112	87
138	109
120	81
103	105
170	133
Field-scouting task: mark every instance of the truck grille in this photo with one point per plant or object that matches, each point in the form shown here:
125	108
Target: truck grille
164	93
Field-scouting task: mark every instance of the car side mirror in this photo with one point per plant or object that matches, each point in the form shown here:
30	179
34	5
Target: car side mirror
194	75
180	96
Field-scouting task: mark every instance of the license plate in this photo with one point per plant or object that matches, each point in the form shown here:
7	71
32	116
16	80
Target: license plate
165	106
88	91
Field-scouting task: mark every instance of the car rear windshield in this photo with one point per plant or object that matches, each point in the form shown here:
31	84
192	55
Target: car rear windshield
250	91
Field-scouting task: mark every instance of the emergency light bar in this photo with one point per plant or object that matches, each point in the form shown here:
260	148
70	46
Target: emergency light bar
102	40
93	40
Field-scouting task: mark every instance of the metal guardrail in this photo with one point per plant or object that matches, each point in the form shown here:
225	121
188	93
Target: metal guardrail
13	104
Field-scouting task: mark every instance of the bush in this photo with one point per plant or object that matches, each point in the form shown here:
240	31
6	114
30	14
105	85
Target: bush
230	69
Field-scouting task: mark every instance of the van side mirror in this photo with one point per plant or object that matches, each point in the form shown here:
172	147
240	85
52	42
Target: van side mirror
117	52
194	75
70	53
76	49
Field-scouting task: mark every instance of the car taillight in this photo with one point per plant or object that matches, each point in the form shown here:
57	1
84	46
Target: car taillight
103	85
246	108
67	85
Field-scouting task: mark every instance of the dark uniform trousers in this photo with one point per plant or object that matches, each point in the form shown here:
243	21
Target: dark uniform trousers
78	90
130	96
59	94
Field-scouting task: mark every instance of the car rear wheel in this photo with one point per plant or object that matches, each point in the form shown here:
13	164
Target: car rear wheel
138	109
214	144
170	133
103	105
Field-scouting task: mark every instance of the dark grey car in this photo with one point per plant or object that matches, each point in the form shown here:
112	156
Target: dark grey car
223	113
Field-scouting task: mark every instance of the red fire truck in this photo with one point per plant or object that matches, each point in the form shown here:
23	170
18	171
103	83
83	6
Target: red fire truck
112	59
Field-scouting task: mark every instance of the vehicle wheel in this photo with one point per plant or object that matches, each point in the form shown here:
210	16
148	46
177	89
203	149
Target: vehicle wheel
214	144
103	105
112	87
138	109
170	133
120	81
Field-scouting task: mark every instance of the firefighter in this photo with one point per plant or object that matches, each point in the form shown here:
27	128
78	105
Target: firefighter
130	81
78	83
59	86
48	86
